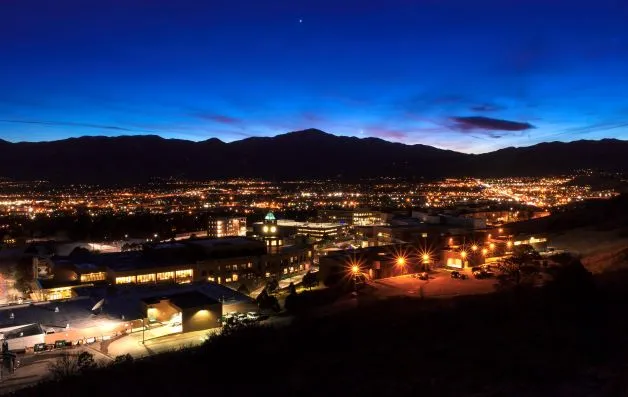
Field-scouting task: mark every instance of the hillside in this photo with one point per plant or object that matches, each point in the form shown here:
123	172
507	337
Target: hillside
302	154
565	340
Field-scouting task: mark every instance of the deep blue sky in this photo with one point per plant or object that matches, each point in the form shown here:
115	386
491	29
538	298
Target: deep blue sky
466	75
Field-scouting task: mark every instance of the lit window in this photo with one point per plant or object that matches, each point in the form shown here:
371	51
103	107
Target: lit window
184	276
165	276
125	280
273	229
235	277
90	277
146	278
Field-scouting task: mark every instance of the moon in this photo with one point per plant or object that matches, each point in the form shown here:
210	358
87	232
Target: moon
300	20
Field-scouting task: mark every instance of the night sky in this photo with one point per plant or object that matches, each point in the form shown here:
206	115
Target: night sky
466	75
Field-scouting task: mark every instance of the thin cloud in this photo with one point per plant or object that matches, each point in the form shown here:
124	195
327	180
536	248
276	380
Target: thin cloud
219	118
73	124
486	107
472	123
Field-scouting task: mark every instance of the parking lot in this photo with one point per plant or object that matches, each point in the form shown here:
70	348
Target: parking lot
439	285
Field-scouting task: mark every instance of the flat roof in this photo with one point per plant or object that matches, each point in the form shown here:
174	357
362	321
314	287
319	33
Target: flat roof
120	304
184	300
292	223
222	242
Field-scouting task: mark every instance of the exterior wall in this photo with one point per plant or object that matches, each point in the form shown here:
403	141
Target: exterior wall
198	319
161	311
19	344
224	226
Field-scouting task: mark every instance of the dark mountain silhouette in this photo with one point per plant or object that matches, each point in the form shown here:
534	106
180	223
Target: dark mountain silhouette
302	154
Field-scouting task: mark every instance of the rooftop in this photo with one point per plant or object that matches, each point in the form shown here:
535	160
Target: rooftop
184	300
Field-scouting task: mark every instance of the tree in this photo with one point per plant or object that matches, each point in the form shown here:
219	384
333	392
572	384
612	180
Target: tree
309	280
64	367
272	285
267	301
123	359
518	269
85	361
292	289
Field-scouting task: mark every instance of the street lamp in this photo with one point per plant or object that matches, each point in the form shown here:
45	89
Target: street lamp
491	246
474	247
484	251
355	270
426	261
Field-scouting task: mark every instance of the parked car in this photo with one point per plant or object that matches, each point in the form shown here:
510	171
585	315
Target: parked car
458	275
253	316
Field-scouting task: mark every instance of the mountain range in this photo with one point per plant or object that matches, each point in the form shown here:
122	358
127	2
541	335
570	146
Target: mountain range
296	155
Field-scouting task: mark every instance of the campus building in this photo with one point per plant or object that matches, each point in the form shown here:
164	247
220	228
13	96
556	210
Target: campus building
226	227
275	231
223	261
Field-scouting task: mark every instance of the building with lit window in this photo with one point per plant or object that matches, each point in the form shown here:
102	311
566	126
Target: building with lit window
226	227
354	217
274	231
224	260
371	263
150	310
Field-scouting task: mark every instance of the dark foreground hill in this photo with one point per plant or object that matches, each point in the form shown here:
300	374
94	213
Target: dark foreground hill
301	154
566	340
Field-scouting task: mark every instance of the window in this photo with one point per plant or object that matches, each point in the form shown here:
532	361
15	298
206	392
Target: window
165	276
146	278
249	265
90	277
212	279
184	276
235	277
125	280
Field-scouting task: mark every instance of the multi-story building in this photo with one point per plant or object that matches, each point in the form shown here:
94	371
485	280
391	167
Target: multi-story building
221	260
355	217
226	227
273	230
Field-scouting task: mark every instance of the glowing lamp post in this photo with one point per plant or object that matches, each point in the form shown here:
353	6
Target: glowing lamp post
474	247
355	270
401	262
426	261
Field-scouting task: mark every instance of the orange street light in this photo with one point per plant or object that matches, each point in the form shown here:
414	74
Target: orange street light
463	254
509	244
484	251
501	230
474	247
426	258
355	269
401	261
491	246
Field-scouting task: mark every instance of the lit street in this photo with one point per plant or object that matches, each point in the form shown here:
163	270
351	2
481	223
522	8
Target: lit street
440	285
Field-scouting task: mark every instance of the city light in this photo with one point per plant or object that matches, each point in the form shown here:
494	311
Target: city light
426	258
474	247
463	254
355	269
401	261
484	251
491	246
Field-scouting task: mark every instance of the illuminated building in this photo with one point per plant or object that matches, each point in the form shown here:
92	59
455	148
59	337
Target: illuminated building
270	232
226	227
354	217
